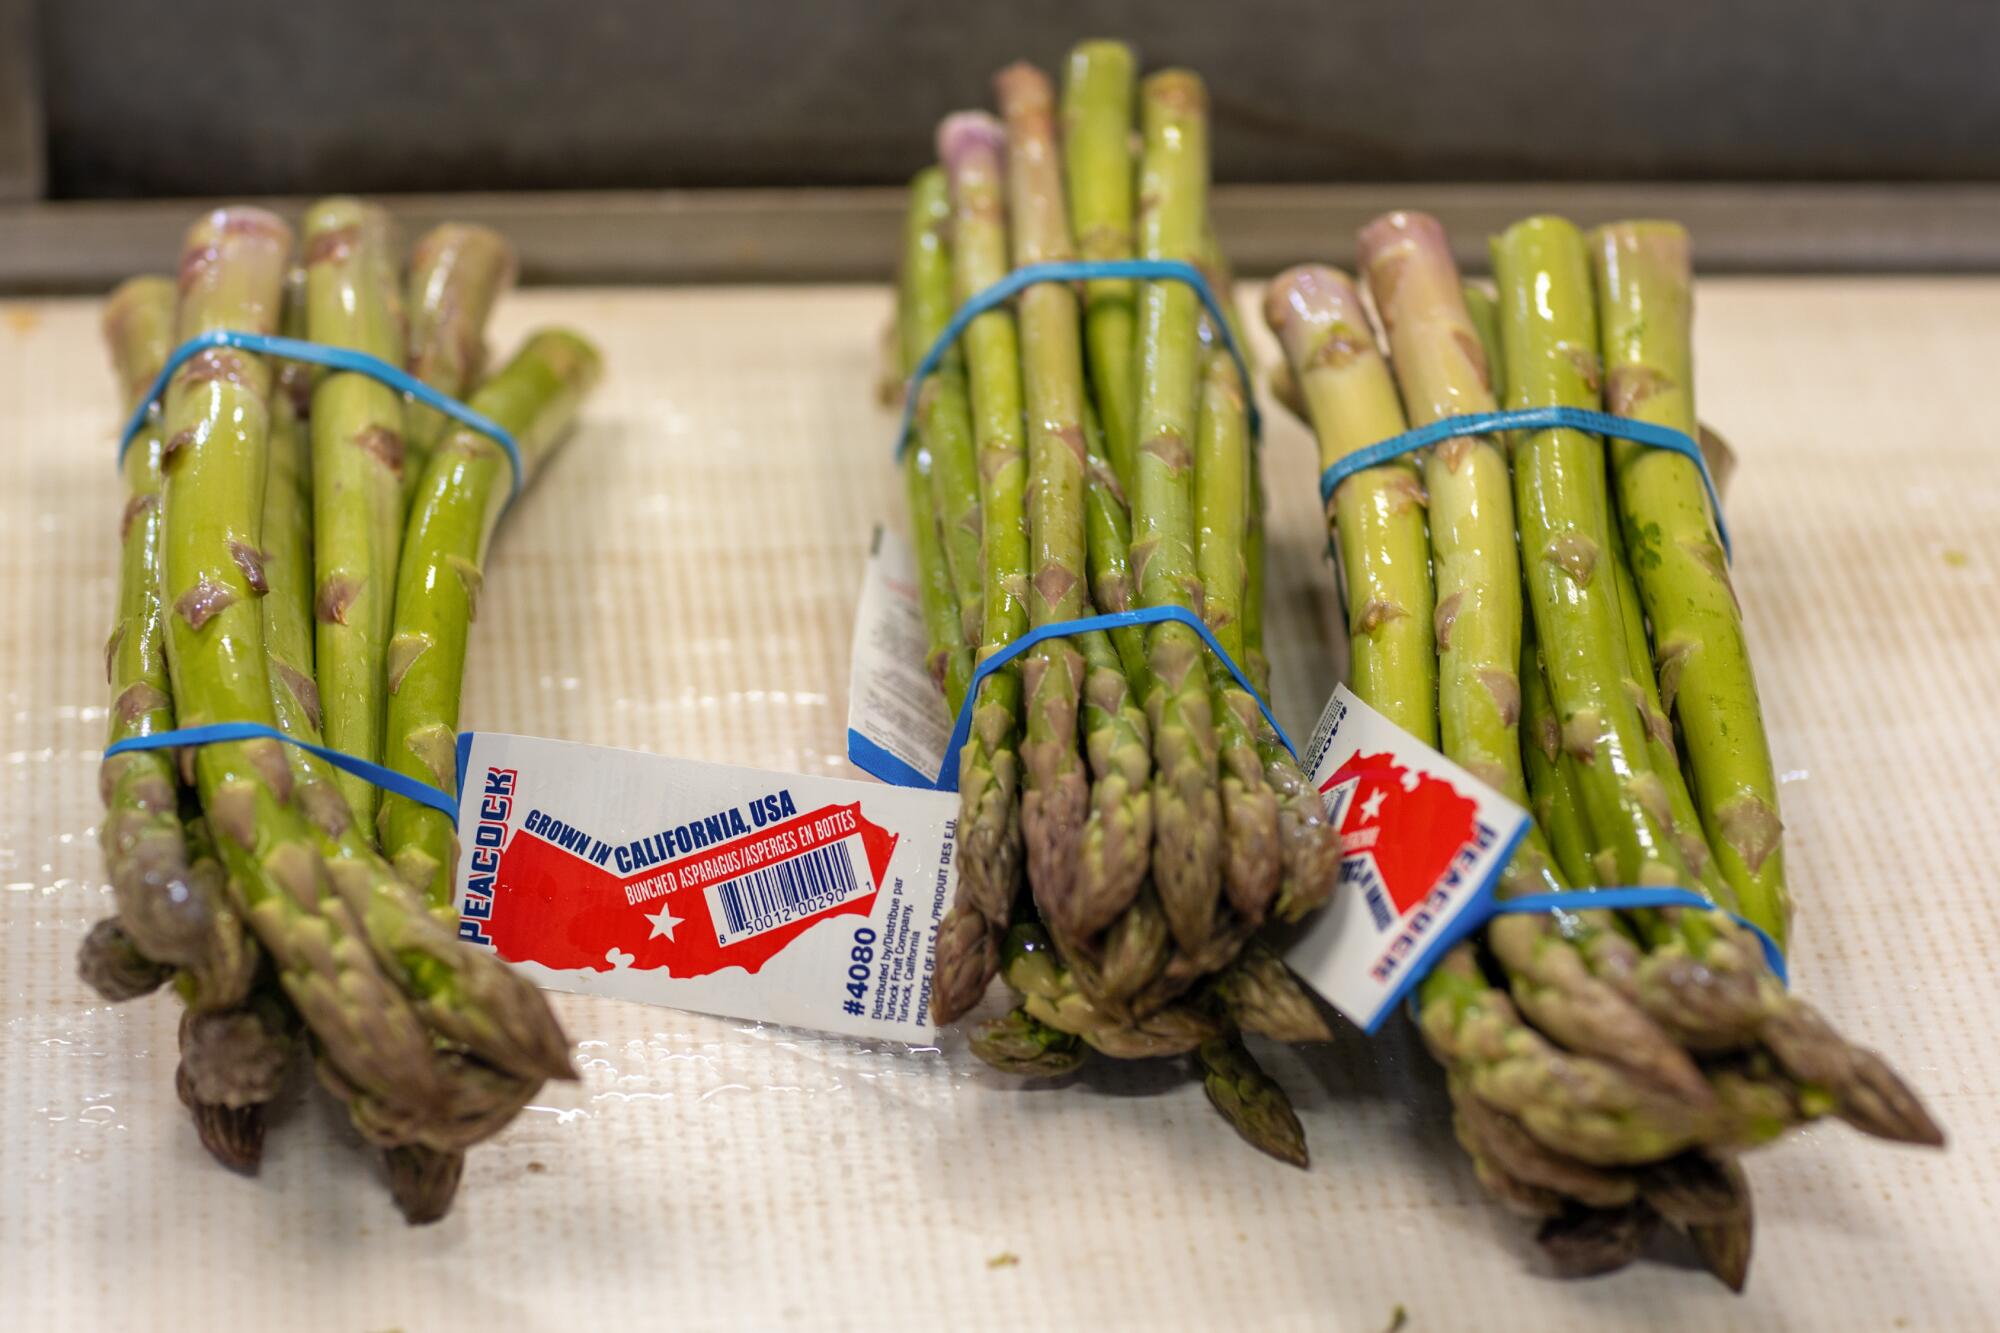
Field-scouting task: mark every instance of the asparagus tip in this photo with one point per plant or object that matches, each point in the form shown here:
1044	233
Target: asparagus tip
1251	1101
1878	1102
1589	1242
233	1135
1725	1251
111	964
423	1181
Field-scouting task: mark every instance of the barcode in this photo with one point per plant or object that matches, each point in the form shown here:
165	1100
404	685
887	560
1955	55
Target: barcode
766	899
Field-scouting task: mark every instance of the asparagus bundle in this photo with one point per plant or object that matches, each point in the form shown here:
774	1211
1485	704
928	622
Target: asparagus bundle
1606	1069
1129	821
264	527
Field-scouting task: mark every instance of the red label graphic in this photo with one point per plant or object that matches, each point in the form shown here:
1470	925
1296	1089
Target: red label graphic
1412	825
558	909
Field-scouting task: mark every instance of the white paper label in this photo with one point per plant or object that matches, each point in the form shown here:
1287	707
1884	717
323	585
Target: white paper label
809	901
897	725
1422	841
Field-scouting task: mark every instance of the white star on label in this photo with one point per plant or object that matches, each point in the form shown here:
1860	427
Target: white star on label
664	923
1372	807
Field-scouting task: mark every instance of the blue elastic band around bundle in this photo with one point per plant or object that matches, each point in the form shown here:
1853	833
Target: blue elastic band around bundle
209	734
1530	418
1632	899
333	358
1486	906
1077	270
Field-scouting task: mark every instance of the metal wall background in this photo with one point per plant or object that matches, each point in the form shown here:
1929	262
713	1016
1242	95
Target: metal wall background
207	97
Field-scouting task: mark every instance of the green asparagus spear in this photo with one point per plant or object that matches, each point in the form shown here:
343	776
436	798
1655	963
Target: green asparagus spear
989	832
1250	1100
1016	1043
1557	807
1187	815
168	915
357	456
112	965
944	413
534	397
968	956
925	296
1309	849
233	1136
217	428
1214	265
235	1056
1259	994
1682	818
233	1064
295	378
1097	146
1376	524
1484	312
1254	660
479	1102
1258	859
423	1181
1724	1242
1116	850
948	657
1137	950
1056	796
1590	1242
1709	1198
1113	586
1644	296
967	953
457	271
1118	837
287	603
1251	859
1439	366
1377	515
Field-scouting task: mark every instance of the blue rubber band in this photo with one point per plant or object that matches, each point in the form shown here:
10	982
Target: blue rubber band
334	358
886	766
209	734
1531	418
1485	906
1629	899
1078	270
